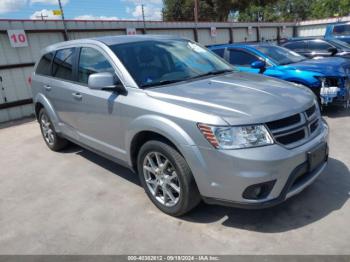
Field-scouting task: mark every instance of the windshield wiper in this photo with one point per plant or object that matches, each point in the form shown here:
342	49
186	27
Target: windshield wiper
218	72
166	82
160	83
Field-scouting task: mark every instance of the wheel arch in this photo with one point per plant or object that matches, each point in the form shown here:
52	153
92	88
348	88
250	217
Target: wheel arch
148	128
40	101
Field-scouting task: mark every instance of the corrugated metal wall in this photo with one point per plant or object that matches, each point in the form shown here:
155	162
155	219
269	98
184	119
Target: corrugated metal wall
16	63
14	85
187	33
312	30
318	27
244	35
268	34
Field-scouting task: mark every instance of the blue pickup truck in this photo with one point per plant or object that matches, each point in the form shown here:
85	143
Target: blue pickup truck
339	31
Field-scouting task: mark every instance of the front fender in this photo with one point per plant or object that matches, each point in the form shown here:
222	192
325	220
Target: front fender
40	98
158	124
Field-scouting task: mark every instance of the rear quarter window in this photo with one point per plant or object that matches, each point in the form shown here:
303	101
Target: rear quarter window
44	66
296	45
62	66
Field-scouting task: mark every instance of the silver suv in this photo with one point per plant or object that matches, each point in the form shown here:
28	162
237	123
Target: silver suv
187	122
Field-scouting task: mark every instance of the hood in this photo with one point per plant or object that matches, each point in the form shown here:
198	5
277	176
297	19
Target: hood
328	66
238	98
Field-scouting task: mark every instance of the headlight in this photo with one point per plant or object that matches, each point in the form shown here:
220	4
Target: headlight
227	137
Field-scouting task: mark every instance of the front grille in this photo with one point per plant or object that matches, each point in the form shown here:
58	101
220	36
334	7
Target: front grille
309	112
288	121
291	138
297	129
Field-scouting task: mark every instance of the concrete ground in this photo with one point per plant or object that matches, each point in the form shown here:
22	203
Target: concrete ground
76	202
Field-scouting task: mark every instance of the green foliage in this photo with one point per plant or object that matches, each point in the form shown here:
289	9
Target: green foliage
209	10
255	10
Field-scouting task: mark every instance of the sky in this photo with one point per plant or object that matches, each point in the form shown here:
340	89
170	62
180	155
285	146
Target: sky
81	9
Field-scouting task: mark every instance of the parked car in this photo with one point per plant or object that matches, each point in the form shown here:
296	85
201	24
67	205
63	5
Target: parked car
179	116
328	78
312	47
340	31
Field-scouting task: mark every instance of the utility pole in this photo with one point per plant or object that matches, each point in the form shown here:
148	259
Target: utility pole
42	16
143	19
64	23
196	11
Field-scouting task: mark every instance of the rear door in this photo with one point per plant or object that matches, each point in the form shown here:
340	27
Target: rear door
41	82
63	87
319	48
300	47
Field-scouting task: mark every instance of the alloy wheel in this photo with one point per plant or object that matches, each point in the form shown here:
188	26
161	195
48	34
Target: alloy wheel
161	179
48	132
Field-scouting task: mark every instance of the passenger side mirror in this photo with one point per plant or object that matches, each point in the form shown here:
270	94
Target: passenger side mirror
105	81
332	50
259	65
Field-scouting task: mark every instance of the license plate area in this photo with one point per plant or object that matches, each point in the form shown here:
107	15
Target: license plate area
317	156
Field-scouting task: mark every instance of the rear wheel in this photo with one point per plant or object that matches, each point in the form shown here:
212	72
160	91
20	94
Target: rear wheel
167	178
51	138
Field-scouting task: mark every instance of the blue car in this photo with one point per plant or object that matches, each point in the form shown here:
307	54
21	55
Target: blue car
329	78
339	31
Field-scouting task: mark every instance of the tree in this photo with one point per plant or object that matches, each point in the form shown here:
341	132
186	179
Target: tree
209	10
255	10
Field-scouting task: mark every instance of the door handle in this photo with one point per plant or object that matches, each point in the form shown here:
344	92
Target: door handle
77	96
47	87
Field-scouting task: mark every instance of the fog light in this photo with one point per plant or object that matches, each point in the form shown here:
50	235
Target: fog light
258	191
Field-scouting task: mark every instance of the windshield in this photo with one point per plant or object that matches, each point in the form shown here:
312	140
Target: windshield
158	62
280	55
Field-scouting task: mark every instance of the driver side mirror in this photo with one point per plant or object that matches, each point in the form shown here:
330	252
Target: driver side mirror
106	81
259	65
332	50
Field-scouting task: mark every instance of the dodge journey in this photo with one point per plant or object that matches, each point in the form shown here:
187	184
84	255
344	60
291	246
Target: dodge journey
191	126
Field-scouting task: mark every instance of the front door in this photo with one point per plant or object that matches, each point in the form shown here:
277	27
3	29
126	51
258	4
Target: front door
98	117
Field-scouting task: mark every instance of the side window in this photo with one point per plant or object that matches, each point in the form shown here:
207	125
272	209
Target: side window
299	45
219	52
241	58
91	61
341	30
62	66
319	45
44	66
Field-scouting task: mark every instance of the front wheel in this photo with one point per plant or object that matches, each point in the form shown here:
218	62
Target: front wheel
167	178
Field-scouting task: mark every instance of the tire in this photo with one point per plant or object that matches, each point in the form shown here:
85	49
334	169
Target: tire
188	196
51	138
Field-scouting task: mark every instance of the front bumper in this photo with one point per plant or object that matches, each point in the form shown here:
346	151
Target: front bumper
223	175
